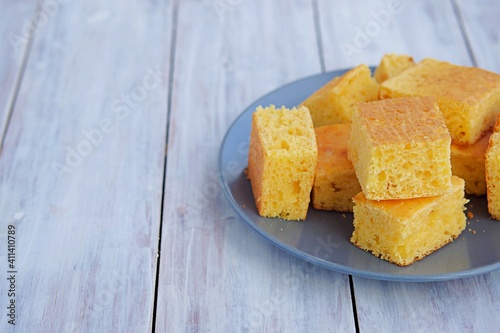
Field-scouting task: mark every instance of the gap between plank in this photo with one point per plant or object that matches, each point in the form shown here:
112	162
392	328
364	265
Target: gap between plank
319	37
463	32
353	301
173	43
20	75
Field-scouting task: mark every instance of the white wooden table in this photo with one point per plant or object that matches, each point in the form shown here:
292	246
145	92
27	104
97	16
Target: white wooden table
111	118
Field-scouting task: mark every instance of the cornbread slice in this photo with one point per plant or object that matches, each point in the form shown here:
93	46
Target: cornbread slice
282	159
467	162
493	172
400	148
332	103
392	65
403	231
468	97
335	183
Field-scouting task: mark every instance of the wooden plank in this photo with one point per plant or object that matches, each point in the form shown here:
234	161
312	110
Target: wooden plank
421	29
480	19
216	274
359	31
81	174
15	32
468	305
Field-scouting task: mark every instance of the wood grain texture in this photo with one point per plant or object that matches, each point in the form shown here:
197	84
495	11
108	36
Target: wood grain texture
468	305
216	274
480	20
15	33
359	31
81	174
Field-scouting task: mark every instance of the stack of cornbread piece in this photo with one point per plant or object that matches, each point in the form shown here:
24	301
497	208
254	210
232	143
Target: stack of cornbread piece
394	149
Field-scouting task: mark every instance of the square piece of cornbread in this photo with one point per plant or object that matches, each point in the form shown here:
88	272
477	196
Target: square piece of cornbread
282	160
332	103
335	183
400	148
403	231
468	163
468	97
493	172
392	65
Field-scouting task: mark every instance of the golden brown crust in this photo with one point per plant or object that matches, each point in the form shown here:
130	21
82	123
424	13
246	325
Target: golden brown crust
430	77
406	119
468	97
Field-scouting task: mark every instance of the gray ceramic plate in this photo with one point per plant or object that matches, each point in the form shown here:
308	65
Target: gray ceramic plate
323	238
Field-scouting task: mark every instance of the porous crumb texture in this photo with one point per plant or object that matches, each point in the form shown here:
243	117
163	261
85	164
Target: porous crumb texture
468	163
333	102
282	159
335	183
403	231
400	148
493	173
392	65
468	97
